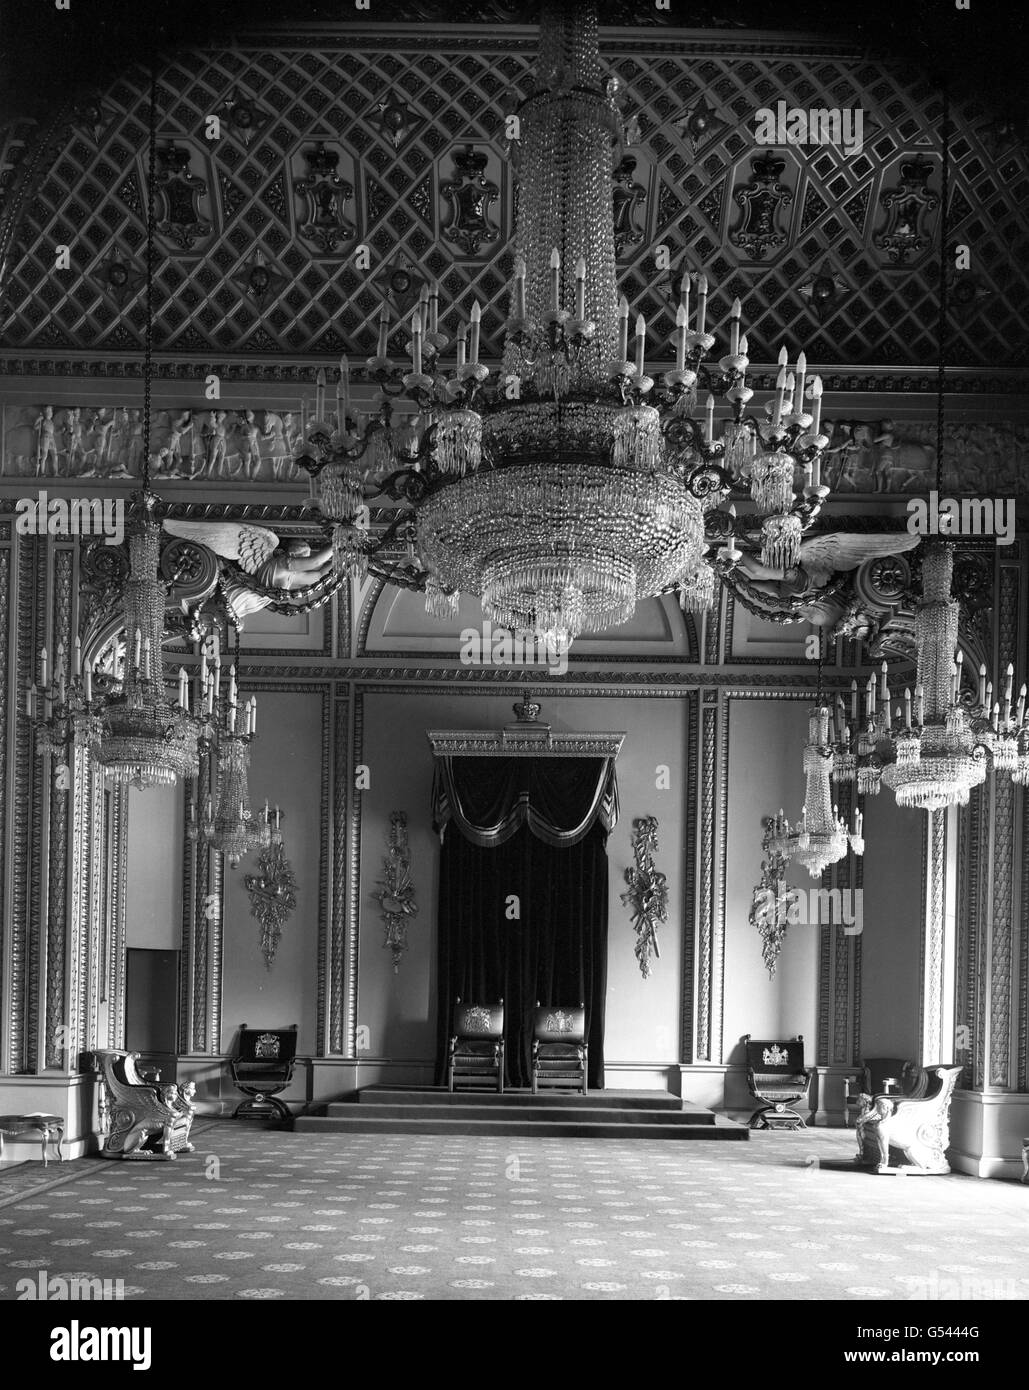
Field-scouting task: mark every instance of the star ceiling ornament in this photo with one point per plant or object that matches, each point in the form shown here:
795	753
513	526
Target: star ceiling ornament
966	294
699	123
243	116
400	281
259	279
119	276
394	120
824	289
94	115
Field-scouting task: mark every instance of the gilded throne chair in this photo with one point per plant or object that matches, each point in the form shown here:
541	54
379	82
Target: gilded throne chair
559	1049
475	1058
903	1134
141	1119
777	1077
262	1067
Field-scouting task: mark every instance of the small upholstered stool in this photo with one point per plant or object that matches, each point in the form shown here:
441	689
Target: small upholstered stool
50	1127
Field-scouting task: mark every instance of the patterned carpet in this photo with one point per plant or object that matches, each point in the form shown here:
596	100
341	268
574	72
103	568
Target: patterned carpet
262	1214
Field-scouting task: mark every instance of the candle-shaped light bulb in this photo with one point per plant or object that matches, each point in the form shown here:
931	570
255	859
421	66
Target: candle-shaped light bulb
416	342
232	687
253	714
476	322
784	358
623	329
816	404
77	656
734	327
801	378
555	279
87	682
434	307
744	345
701	303
641	343
580	288
319	394
680	338
462	345
780	392
519	288
383	330
853	701
137	649
182	688
43	668
709	426
907	706
982	684
1020	709
343	394
684	296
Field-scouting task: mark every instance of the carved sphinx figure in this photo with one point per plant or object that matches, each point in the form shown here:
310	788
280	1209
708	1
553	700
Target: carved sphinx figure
916	1131
140	1120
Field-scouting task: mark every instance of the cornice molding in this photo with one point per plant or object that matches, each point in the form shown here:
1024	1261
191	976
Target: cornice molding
527	741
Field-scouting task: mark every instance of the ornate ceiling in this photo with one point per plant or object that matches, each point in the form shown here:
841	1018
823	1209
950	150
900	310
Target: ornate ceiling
397	143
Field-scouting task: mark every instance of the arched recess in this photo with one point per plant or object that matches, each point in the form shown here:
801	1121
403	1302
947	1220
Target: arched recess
393	623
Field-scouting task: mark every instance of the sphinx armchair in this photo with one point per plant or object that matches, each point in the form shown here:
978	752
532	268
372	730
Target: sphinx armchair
777	1077
903	1134
141	1119
475	1058
559	1050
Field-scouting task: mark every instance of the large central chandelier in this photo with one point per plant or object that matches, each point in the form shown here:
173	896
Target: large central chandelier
577	484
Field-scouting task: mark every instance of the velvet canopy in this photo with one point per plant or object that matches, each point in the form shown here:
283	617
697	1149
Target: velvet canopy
530	831
558	799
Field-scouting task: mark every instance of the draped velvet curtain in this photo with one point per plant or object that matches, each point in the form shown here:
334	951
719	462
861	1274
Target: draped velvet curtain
523	893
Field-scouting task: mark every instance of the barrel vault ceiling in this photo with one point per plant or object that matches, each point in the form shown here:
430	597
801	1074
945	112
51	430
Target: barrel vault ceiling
397	142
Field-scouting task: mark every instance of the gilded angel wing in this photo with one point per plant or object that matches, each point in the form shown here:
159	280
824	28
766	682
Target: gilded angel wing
249	546
822	556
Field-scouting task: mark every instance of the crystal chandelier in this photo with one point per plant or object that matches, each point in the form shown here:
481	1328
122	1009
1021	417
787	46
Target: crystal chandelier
820	837
230	828
577	485
935	749
143	738
62	708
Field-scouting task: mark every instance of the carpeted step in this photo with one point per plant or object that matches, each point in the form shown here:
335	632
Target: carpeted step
356	1119
435	1095
470	1109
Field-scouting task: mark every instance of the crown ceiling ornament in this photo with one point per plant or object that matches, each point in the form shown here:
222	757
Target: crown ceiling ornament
577	485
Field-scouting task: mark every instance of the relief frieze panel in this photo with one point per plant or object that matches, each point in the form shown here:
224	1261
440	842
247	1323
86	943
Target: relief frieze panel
865	456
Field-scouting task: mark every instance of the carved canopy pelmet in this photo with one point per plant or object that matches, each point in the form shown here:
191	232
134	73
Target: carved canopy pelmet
490	799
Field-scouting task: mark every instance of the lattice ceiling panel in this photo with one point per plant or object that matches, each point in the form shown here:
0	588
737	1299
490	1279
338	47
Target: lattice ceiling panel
395	120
